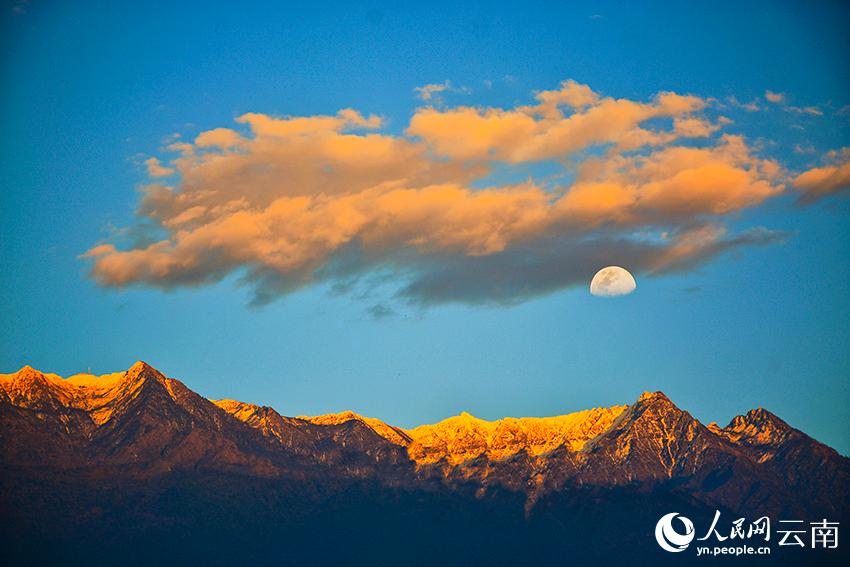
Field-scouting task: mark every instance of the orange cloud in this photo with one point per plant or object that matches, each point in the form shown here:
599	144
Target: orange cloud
223	138
819	182
774	97
545	131
156	169
781	99
291	201
674	182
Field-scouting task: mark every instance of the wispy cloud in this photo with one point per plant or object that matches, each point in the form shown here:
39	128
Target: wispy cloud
782	100
432	92
812	110
752	106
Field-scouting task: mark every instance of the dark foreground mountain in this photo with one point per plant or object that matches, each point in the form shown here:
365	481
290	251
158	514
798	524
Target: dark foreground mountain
135	468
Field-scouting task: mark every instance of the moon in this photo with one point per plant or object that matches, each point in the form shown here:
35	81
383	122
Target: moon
612	281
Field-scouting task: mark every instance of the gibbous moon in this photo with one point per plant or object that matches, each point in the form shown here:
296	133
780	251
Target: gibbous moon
612	281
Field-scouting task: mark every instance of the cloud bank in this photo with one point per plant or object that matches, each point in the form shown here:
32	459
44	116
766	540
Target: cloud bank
289	202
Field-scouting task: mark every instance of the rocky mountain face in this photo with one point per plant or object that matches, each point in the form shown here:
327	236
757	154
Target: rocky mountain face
133	455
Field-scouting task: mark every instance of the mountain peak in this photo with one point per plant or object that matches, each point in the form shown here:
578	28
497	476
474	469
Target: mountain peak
757	427
28	374
31	388
466	416
659	395
348	414
142	372
760	418
142	366
761	415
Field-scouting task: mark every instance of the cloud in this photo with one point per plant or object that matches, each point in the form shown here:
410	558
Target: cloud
811	110
156	169
781	99
288	202
381	311
550	264
774	97
545	131
818	182
427	92
752	106
672	183
223	138
431	92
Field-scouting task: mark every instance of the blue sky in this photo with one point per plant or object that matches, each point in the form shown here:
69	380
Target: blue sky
92	90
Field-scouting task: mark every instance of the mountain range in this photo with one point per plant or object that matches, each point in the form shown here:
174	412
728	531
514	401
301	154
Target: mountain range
135	463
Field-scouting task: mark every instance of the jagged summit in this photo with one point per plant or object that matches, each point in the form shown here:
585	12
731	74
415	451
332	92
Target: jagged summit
141	370
659	395
760	417
142	366
651	441
757	427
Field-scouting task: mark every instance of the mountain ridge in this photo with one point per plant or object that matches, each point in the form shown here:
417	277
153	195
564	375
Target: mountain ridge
88	458
99	395
153	424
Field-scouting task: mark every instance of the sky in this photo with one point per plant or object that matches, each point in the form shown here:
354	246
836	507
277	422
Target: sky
398	210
